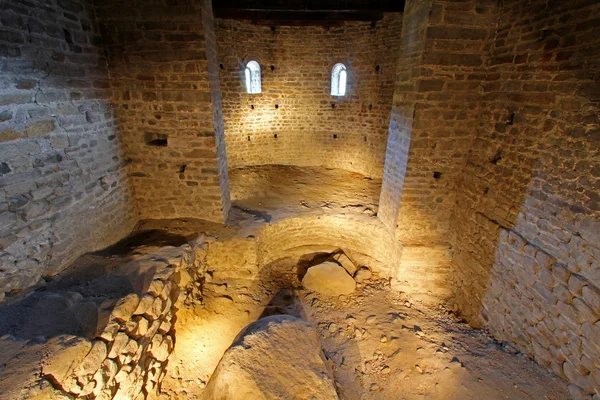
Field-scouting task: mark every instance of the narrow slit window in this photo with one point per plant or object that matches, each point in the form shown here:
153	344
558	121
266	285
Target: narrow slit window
338	80
252	73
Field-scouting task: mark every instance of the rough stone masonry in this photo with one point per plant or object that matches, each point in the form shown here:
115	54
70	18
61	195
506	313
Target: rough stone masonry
482	120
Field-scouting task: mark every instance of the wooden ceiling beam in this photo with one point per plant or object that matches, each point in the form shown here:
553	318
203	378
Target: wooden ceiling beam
304	11
285	15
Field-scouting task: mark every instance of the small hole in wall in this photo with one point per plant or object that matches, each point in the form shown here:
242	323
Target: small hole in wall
252	106
377	68
497	157
373	24
156	139
158	142
334	136
364	138
437	175
370	107
276	106
248	138
486	190
221	66
275	136
511	119
68	37
332	106
182	169
272	68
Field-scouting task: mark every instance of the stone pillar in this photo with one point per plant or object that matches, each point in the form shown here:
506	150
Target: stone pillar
414	28
435	115
164	76
217	106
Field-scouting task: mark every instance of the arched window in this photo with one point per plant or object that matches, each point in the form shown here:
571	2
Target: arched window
253	77
338	80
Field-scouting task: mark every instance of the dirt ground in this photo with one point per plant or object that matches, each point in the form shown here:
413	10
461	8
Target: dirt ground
380	344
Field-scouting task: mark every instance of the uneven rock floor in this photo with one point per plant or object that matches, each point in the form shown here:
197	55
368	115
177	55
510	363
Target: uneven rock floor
380	344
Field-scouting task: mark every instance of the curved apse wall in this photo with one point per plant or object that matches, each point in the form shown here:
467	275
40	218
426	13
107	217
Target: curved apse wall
295	120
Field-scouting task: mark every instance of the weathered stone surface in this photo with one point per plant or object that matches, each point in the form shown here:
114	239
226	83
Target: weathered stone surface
363	274
345	262
118	345
36	110
329	279
277	357
65	355
125	307
590	230
94	359
144	305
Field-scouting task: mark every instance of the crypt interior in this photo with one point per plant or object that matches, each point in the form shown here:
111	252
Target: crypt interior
333	199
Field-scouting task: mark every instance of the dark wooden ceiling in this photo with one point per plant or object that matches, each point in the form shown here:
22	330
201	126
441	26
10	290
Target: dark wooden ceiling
305	12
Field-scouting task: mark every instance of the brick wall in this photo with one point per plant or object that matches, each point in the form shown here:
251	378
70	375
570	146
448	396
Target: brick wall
295	120
435	118
163	75
436	110
63	188
414	28
527	218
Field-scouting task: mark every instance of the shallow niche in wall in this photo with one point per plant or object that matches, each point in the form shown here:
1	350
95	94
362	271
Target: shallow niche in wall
156	139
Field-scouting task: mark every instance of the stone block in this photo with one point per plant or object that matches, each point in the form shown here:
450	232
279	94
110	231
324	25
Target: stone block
576	283
64	357
126	307
5	115
345	262
121	340
93	360
591	296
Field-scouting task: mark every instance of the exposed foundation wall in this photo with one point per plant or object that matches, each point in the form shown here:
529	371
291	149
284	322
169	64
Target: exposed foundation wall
63	186
128	356
295	120
166	94
526	226
361	234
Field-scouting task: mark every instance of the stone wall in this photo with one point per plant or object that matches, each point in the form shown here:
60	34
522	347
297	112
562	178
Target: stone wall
525	229
63	188
295	120
128	356
435	114
162	64
414	29
434	120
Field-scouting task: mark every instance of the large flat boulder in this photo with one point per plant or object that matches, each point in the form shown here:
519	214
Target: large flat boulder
329	279
278	357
